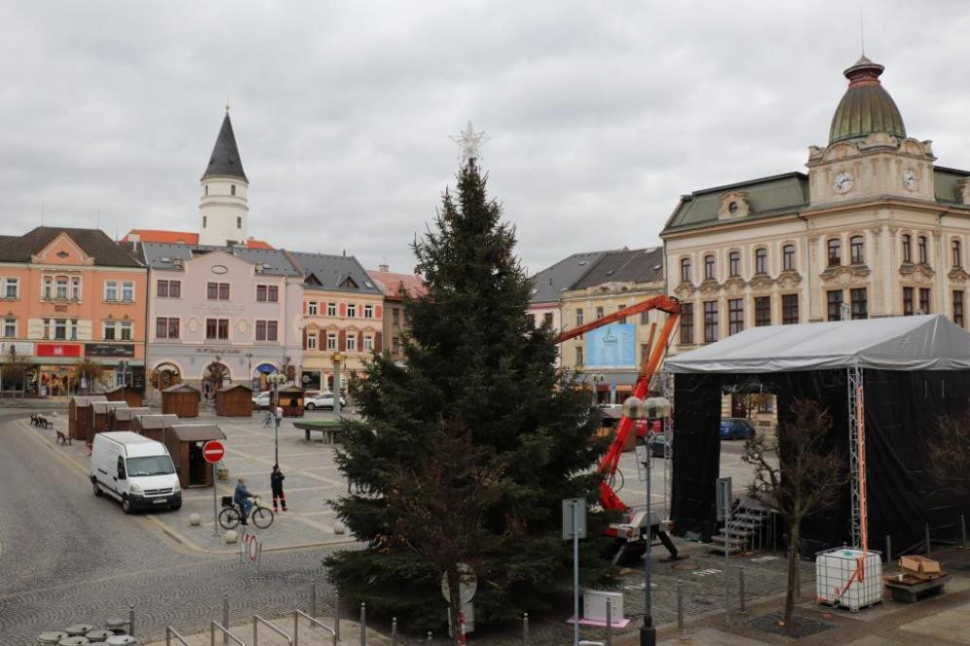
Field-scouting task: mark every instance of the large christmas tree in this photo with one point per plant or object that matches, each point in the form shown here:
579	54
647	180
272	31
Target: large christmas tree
466	453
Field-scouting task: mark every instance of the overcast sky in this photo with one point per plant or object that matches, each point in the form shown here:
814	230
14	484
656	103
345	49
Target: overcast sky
599	114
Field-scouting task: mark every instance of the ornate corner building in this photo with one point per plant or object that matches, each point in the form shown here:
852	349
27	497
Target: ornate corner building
873	229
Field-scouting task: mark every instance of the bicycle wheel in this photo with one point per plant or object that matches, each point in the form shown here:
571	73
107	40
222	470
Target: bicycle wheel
229	518
262	517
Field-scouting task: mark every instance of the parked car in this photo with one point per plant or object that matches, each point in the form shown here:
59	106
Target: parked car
262	400
135	470
734	428
321	400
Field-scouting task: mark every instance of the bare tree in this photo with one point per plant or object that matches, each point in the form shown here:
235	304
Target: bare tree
441	507
949	454
807	477
14	368
90	373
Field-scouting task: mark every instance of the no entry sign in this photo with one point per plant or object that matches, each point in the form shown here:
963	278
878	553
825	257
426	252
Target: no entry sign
212	451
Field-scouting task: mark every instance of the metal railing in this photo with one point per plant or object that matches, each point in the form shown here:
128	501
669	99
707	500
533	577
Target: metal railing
296	626
225	631
259	620
169	633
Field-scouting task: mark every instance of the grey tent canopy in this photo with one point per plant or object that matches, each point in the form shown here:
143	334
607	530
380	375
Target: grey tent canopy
926	342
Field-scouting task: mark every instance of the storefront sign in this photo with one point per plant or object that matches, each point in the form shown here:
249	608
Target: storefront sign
58	350
109	349
20	349
218	351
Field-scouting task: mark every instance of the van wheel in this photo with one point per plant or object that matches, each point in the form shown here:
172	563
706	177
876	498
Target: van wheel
310	406
126	505
97	489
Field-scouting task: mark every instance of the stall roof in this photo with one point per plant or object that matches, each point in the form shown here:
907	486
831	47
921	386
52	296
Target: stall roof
83	401
106	406
928	342
128	414
157	421
197	432
181	388
235	387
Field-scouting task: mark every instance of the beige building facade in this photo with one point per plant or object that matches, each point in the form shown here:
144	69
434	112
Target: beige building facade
873	229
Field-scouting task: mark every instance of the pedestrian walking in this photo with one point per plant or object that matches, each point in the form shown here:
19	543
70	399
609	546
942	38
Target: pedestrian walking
241	497
276	482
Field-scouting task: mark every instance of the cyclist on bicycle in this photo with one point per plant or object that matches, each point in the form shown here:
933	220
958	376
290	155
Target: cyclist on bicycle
242	498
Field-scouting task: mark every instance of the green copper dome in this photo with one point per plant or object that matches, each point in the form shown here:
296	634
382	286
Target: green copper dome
866	107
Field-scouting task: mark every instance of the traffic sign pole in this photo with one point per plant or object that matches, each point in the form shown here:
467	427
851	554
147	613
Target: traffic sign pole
212	452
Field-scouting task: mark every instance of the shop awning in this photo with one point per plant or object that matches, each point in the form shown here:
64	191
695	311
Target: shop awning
197	432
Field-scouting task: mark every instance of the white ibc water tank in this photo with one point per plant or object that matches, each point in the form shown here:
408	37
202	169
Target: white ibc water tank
840	582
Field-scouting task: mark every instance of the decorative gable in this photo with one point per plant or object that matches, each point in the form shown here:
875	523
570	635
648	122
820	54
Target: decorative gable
733	205
62	250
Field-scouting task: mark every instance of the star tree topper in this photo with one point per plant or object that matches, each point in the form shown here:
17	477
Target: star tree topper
470	143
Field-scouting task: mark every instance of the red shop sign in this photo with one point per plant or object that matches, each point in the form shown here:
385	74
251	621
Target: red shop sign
58	350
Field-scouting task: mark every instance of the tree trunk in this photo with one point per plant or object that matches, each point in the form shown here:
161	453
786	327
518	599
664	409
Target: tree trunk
455	607
792	592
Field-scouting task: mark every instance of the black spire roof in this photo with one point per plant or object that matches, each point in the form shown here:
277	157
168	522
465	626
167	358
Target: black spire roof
225	161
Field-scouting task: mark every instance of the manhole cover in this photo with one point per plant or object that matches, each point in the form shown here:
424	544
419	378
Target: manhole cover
801	627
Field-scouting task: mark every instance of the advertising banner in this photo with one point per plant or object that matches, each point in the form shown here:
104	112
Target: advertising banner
58	350
613	346
109	349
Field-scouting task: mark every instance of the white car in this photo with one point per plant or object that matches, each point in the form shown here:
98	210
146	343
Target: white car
262	400
321	400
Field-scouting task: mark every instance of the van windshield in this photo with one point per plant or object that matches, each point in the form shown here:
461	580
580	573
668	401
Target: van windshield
157	465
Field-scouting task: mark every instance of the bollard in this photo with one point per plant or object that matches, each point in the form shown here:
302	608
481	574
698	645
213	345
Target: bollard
525	629
741	590
393	631
430	637
963	531
680	607
929	547
225	617
131	620
363	624
313	599
336	612
889	549
609	622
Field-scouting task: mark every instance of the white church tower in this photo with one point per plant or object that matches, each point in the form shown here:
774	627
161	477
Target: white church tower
224	209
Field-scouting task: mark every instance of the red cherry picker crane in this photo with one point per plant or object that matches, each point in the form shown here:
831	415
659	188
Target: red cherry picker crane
635	528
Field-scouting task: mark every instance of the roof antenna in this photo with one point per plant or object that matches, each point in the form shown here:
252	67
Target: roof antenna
862	31
41	215
99	219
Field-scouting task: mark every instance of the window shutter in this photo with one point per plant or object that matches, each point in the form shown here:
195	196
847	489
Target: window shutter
360	342
378	311
342	340
378	341
304	335
342	310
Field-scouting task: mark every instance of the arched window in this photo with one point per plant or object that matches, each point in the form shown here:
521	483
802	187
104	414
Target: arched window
685	270
957	253
788	257
857	249
734	263
907	248
761	261
835	252
924	253
709	267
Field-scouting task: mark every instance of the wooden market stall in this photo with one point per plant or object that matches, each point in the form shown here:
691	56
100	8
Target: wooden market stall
125	394
291	401
154	427
102	417
122	417
234	401
80	416
182	400
184	442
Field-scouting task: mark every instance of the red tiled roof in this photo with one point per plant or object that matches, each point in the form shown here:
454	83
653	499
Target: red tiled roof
182	237
393	284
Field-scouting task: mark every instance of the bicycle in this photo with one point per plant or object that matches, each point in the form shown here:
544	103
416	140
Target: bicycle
231	516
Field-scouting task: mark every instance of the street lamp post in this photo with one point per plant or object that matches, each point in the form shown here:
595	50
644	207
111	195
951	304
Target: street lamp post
275	380
597	379
635	409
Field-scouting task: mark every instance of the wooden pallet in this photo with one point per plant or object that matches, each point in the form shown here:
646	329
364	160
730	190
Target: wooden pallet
913	588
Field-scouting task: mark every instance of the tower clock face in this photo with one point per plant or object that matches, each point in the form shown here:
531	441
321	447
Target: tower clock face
910	181
843	182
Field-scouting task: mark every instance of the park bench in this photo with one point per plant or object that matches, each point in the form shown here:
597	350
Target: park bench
40	421
63	438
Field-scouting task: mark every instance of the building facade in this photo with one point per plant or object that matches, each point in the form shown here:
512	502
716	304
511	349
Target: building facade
396	287
343	317
221	316
873	229
69	296
616	280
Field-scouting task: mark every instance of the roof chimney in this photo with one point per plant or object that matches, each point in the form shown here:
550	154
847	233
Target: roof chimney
384	268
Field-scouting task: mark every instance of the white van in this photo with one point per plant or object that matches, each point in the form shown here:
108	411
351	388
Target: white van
135	470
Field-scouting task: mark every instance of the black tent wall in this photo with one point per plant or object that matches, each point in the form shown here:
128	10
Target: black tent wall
902	416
